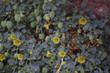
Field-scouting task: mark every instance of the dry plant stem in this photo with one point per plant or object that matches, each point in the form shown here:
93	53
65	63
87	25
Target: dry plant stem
36	29
58	71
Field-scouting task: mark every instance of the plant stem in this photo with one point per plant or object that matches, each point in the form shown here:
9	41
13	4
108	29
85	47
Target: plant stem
58	71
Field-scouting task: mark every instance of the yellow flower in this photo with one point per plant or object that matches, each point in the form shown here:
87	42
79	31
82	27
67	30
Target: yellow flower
46	25
56	40
80	59
12	37
17	42
62	54
5	2
20	56
82	21
2	57
49	54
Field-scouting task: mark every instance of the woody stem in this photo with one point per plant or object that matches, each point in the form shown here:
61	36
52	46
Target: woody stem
58	71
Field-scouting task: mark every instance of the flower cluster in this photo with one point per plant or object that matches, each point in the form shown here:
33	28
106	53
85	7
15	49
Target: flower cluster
43	36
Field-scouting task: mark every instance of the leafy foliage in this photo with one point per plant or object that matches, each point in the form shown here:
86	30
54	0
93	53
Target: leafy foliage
34	24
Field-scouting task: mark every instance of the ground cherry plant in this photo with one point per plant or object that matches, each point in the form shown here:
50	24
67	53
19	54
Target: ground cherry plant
54	36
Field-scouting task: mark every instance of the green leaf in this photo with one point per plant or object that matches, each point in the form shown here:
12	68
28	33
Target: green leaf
47	38
1	65
60	25
50	0
104	55
36	11
75	71
54	58
64	1
52	14
33	24
46	17
9	24
15	6
45	70
7	69
45	1
38	18
57	33
17	17
3	23
41	36
82	70
21	71
65	71
1	46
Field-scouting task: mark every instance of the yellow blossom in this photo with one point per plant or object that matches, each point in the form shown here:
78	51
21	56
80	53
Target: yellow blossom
82	21
12	37
2	57
17	42
80	59
49	54
62	54
46	25
20	56
56	40
5	2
